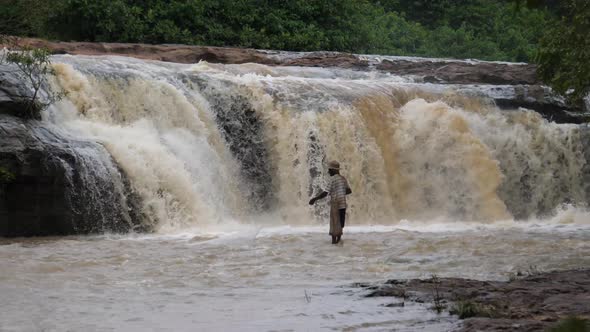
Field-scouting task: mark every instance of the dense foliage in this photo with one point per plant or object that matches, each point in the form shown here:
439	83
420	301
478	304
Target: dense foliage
555	33
447	28
564	55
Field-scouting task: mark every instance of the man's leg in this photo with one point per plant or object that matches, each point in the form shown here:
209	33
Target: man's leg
342	217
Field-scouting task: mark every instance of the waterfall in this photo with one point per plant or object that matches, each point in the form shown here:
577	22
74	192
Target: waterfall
205	144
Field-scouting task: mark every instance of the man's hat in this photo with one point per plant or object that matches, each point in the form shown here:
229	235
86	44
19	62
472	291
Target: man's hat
334	165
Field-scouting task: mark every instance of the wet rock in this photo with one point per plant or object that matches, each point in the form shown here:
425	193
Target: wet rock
431	70
168	53
61	186
395	305
496	325
327	59
533	303
463	72
13	93
243	131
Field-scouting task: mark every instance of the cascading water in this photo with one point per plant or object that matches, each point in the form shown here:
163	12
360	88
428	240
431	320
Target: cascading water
79	177
203	144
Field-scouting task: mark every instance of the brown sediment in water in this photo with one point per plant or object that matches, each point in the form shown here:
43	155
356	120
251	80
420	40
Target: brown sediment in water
532	303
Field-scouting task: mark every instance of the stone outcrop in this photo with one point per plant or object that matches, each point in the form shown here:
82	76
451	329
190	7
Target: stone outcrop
168	53
464	72
12	92
50	194
532	303
432	70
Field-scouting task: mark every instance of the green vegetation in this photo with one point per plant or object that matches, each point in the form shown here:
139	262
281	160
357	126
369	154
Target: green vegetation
438	300
34	69
553	33
564	55
5	176
467	309
572	324
448	28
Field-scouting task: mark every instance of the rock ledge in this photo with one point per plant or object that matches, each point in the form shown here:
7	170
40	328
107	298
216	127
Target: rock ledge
532	303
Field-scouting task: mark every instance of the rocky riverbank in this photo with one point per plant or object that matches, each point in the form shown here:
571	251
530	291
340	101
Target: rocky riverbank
535	302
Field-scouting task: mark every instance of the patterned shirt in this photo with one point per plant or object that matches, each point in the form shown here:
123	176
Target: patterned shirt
337	190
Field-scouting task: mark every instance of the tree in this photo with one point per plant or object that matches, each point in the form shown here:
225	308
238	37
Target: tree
34	69
564	53
488	29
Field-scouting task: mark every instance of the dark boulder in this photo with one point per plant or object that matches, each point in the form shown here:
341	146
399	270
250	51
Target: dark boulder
61	186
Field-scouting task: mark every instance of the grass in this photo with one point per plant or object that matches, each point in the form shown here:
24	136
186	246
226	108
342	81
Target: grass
467	309
572	324
439	306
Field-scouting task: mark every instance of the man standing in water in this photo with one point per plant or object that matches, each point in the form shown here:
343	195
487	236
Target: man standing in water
338	189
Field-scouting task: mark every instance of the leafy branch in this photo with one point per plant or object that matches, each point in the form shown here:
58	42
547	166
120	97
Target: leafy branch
34	70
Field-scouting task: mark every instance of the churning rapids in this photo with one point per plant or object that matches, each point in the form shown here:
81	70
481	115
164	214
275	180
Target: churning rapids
221	161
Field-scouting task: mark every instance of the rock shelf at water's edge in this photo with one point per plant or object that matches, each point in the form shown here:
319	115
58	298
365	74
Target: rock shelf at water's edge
532	303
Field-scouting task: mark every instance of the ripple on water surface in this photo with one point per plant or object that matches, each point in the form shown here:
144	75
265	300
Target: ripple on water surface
271	279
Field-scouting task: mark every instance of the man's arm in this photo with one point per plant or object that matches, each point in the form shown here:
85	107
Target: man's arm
318	197
348	190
